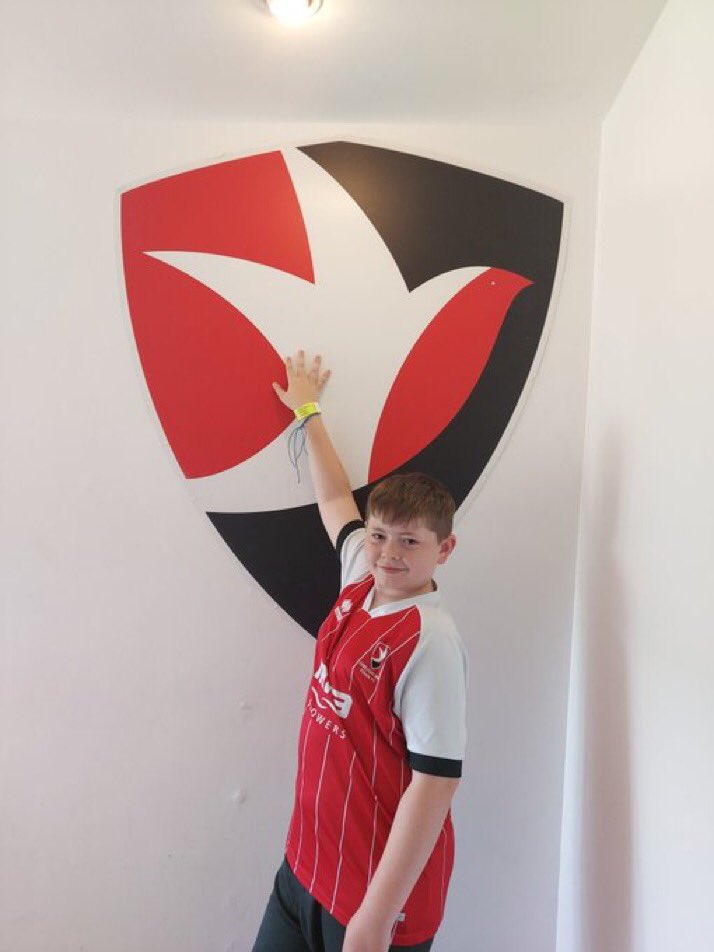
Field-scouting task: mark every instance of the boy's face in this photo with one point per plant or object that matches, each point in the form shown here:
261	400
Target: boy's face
402	558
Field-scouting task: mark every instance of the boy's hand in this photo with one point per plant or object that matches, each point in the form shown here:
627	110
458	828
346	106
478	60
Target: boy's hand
303	386
330	482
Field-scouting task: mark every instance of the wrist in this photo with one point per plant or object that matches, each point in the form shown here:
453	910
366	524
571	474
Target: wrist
365	923
306	410
377	912
312	421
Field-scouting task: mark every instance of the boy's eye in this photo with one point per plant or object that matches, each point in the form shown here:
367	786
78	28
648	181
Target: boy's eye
377	536
411	541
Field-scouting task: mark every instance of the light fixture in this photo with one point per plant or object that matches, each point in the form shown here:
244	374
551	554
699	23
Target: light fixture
293	11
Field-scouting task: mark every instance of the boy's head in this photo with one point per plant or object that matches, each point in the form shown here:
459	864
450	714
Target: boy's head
409	520
413	497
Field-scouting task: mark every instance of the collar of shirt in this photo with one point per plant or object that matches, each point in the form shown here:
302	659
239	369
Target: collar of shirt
428	598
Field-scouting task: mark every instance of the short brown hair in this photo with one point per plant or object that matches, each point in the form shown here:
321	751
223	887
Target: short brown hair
408	497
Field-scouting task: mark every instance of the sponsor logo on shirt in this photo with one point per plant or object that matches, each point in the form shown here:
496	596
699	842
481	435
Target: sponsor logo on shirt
335	700
325	722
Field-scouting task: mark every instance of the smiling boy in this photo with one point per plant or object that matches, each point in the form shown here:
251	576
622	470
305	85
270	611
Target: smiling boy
370	847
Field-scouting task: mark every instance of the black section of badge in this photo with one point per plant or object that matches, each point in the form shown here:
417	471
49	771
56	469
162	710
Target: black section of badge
290	556
433	217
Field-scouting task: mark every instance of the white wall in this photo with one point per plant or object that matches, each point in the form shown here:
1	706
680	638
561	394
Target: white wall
638	869
151	692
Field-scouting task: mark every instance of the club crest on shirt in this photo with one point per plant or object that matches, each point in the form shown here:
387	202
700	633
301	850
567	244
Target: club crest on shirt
377	657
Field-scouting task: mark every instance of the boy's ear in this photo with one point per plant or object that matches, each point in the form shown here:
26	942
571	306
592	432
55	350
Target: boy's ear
446	547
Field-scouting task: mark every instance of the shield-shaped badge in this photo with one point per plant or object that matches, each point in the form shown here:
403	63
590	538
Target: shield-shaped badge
425	286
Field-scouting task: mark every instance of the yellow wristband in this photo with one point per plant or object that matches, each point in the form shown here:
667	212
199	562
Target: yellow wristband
307	410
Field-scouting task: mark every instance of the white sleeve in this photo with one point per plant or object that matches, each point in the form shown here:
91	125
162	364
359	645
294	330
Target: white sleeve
350	548
430	697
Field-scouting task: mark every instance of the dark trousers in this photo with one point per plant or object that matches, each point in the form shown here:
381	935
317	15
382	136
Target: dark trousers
295	922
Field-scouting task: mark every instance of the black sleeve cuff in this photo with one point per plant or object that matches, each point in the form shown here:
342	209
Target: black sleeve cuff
344	532
436	766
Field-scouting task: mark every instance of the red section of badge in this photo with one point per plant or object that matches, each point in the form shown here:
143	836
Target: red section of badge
208	369
442	369
245	209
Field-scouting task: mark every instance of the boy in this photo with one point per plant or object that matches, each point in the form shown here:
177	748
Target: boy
370	846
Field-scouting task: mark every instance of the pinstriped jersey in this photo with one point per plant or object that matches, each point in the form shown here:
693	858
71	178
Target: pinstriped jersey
387	696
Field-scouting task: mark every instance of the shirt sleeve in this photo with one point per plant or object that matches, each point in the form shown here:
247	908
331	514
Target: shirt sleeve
430	698
350	548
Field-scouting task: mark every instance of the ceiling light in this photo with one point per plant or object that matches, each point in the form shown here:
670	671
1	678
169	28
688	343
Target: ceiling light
293	11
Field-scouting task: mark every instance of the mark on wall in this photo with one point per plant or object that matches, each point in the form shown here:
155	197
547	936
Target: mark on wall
424	285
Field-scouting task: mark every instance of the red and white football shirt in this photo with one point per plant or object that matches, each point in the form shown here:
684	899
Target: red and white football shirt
388	695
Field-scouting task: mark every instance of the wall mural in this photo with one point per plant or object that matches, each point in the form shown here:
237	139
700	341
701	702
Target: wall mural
424	285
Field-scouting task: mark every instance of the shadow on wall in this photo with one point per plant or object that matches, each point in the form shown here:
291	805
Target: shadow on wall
607	808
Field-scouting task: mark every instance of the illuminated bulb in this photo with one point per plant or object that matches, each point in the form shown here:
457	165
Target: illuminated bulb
293	11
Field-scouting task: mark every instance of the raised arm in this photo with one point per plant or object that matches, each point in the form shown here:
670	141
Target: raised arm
332	488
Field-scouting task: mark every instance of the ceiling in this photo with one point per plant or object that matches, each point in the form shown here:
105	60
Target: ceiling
370	60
